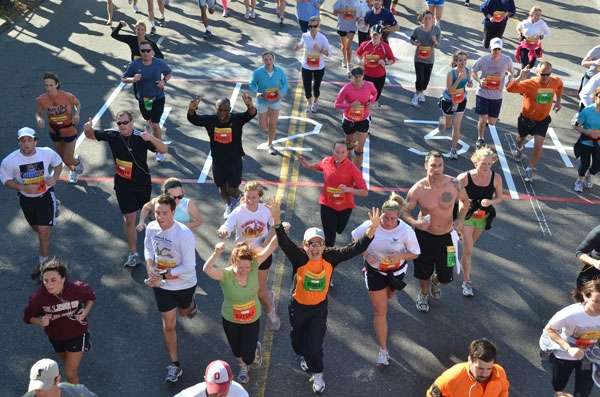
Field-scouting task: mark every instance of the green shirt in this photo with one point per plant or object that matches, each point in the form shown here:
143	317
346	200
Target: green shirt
240	304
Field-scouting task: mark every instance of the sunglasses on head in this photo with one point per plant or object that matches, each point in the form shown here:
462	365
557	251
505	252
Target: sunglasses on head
180	197
315	244
145	49
123	122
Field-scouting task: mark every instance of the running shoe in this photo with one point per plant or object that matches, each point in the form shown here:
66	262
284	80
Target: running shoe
73	177
247	14
318	383
79	167
303	365
272	150
467	288
528	175
136	10
193	312
133	259
281	20
153	30
258	358
422	97
173	373
243	377
442	124
207	35
415	100
467	3
160	21
436	291
480	142
344	64
274	321
308	108
228	209
224	14
315	107
453	154
518	154
587	179
160	157
422	304
383	359
252	15
578	186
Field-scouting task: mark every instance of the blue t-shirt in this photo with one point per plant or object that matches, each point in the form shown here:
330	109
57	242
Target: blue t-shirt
590	120
152	73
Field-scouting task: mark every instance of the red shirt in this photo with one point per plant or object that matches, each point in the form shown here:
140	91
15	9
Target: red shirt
372	54
345	174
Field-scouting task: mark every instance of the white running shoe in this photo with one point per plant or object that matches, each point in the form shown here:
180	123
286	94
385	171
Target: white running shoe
383	359
318	383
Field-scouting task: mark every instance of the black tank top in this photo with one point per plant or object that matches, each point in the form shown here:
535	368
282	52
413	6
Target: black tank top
476	192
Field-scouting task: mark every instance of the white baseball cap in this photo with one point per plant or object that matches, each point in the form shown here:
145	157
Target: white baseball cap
42	375
26	131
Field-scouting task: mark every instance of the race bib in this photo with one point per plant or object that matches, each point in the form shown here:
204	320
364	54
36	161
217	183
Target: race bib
349	13
532	40
357	114
386	265
544	96
313	60
244	313
371	60
314	282
423	52
450	256
335	196
148	103
272	94
223	135
493	82
497	16
123	168
458	96
479	214
59	120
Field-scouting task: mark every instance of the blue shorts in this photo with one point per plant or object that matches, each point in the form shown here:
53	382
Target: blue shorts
264	107
489	107
435	2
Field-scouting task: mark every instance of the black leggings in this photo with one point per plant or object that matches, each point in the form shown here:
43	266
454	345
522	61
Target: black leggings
423	74
378	82
333	222
315	77
524	53
561	372
588	156
242	339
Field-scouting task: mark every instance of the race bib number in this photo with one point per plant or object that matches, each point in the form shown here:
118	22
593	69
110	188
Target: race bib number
532	40
223	135
479	214
349	13
357	114
313	60
335	196
59	120
493	82
272	94
244	313
314	282
458	96
544	96
451	256
497	16
371	60
423	52
386	265
123	168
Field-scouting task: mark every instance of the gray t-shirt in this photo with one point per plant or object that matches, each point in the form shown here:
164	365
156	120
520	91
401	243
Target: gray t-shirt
593	54
494	71
351	11
425	52
68	390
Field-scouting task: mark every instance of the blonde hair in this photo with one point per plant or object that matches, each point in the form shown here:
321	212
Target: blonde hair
484	151
141	23
533	10
394	203
254	185
458	53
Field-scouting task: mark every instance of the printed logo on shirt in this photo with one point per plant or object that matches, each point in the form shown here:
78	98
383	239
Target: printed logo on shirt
163	254
33	174
253	229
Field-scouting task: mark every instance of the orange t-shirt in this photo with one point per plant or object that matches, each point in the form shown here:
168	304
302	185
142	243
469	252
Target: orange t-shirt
59	110
538	98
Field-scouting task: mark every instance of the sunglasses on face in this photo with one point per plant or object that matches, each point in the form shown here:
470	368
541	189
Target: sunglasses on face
123	122
180	197
545	74
315	244
313	26
145	49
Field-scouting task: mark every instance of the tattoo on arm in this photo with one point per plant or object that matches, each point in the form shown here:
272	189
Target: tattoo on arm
459	186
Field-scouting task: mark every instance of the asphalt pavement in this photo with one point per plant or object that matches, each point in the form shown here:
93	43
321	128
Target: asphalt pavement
523	268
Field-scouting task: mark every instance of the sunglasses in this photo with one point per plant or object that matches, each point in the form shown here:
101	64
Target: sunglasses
315	244
123	122
313	26
180	197
545	74
145	49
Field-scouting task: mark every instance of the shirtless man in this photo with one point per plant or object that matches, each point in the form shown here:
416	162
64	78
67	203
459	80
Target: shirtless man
437	235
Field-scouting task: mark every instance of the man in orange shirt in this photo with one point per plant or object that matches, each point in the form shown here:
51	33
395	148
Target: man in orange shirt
478	377
538	94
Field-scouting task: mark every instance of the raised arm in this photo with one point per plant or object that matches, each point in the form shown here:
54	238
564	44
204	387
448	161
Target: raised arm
209	266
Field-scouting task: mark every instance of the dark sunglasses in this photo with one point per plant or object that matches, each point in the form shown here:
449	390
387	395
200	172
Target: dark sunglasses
315	244
145	50
123	122
313	26
180	197
545	74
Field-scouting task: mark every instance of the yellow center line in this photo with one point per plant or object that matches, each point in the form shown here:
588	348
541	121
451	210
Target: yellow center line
277	268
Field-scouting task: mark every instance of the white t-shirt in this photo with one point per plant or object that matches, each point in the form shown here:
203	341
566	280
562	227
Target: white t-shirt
29	170
173	249
576	327
251	227
402	238
199	390
313	59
